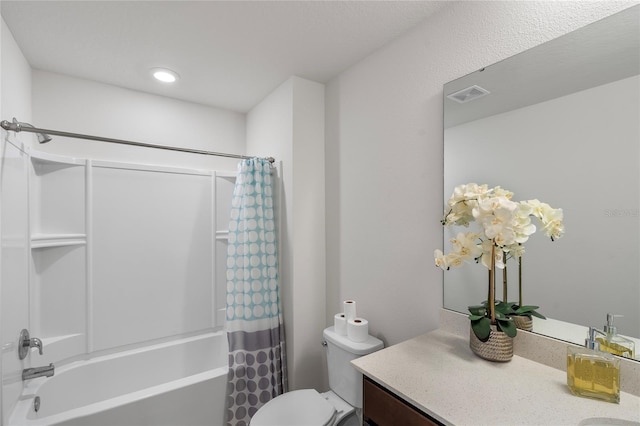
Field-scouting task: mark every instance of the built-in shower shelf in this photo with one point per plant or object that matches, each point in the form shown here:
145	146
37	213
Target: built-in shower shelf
57	240
46	158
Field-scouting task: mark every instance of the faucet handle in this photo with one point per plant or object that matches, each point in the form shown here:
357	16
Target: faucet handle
26	342
34	342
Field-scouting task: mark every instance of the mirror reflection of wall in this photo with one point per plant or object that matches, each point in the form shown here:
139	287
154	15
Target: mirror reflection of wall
561	124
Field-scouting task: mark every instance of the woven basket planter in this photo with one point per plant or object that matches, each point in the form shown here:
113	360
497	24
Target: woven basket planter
499	346
523	322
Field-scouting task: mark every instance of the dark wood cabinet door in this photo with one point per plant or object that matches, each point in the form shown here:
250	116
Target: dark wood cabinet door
382	408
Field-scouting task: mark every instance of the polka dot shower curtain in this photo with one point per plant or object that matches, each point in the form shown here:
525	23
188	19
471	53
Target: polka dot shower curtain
257	365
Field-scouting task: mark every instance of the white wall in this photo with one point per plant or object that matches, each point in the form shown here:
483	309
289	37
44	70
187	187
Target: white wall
81	106
16	79
384	153
289	125
15	92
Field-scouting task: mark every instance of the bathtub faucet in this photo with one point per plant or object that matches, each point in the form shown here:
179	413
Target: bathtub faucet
32	373
25	343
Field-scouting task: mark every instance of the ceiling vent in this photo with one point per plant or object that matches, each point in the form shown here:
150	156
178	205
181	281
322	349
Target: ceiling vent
468	94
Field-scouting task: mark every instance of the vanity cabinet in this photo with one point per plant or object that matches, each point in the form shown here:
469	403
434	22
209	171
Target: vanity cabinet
383	408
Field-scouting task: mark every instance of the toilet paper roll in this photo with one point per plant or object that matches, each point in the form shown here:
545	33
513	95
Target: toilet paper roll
340	324
358	329
349	309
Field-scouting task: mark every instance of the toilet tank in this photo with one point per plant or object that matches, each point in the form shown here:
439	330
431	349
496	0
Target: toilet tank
344	379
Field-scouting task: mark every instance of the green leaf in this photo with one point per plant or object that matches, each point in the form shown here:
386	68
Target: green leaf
477	310
503	305
526	309
537	314
529	311
475	317
504	308
508	327
500	315
481	328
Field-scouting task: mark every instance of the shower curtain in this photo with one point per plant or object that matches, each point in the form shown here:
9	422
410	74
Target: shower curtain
257	364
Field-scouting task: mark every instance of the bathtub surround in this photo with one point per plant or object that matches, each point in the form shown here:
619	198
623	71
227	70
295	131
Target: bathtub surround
257	355
97	231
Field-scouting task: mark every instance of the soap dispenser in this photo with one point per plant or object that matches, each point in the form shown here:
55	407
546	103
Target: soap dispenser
592	373
613	343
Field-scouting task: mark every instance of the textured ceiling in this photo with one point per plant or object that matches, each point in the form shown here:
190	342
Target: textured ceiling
229	54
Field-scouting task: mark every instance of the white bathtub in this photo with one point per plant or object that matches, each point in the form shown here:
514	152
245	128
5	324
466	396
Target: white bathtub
177	383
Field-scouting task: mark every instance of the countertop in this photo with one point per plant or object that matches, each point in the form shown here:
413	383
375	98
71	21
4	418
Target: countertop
438	373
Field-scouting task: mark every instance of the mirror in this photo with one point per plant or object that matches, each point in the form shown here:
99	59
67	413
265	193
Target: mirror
560	123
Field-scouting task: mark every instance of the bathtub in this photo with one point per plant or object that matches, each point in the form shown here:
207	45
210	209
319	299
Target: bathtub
177	383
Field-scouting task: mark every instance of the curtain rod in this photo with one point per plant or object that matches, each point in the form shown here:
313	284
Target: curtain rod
44	137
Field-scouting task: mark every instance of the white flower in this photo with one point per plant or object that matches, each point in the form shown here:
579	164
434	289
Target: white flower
522	225
460	214
462	202
550	218
515	251
465	250
504	224
501	192
496	215
441	260
487	246
466	245
445	262
470	191
454	259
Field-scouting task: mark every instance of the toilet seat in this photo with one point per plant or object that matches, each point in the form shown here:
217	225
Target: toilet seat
305	407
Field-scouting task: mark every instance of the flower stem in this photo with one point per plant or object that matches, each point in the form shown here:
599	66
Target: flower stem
489	286
492	285
504	282
520	281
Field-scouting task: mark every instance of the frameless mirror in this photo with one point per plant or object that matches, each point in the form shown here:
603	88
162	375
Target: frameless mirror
560	123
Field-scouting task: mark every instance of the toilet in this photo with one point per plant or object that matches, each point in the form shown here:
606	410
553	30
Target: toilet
337	407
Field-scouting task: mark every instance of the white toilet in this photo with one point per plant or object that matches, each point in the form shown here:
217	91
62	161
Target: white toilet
337	407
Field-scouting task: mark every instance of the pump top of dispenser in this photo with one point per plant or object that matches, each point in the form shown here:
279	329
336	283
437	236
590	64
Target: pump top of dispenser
609	328
590	342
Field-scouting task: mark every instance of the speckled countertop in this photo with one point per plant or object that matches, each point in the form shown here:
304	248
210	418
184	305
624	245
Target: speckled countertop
438	373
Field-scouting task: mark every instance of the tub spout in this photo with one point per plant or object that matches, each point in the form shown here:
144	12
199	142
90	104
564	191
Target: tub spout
32	373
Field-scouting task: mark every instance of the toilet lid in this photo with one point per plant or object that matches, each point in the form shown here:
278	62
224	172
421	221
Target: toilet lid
304	407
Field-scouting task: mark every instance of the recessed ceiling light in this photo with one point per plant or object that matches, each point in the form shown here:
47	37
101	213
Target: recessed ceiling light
165	75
